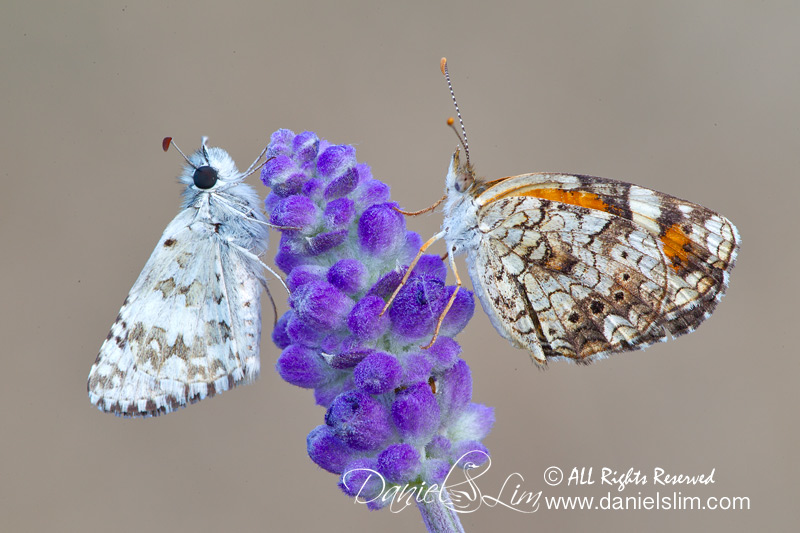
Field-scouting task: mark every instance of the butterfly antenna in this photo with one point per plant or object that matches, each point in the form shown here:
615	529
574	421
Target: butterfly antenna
167	142
443	67
252	168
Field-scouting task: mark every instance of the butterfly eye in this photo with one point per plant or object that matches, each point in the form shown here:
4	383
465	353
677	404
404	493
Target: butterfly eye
205	177
463	182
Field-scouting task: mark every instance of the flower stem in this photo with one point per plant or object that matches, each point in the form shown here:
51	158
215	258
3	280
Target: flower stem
438	514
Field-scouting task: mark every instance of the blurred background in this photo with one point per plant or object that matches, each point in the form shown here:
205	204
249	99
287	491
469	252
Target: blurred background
697	99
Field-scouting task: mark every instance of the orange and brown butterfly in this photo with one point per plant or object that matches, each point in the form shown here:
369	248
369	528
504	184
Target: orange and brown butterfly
579	267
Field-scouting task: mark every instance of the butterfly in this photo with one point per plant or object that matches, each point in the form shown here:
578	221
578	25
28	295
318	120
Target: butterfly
578	267
191	325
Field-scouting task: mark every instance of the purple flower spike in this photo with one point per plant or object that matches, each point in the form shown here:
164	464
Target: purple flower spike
397	414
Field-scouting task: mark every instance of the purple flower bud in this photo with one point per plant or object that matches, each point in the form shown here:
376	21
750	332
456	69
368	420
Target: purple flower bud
411	247
279	335
295	210
364	172
342	186
359	420
381	229
469	454
339	213
436	470
348	275
365	321
456	389
321	305
417	367
443	354
415	412
439	446
378	373
280	144
328	450
302	366
303	274
301	332
276	171
287	260
348	353
386	285
431	266
335	161
372	192
294	184
473	422
459	314
417	307
312	187
323	242
399	463
361	478
305	146
272	200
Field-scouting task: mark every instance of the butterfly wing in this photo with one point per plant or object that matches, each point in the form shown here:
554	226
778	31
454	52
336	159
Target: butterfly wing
190	327
580	267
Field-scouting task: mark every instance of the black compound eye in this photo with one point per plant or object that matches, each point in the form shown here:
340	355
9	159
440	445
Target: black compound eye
205	177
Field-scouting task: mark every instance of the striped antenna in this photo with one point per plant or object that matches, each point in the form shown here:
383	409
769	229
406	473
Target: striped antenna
443	67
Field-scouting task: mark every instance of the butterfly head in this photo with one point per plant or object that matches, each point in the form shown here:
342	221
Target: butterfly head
210	168
460	176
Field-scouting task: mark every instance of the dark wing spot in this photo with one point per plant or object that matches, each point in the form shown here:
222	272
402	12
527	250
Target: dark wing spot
597	307
624	254
626	277
618	296
574	317
169	242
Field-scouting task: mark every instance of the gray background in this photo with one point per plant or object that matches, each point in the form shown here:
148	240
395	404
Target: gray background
696	99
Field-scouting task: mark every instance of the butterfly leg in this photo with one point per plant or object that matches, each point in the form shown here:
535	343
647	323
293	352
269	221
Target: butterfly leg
415	213
254	257
449	302
410	268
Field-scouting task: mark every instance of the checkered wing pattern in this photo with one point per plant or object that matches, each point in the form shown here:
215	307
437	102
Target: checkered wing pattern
579	267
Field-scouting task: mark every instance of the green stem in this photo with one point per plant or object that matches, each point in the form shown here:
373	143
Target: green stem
438	514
